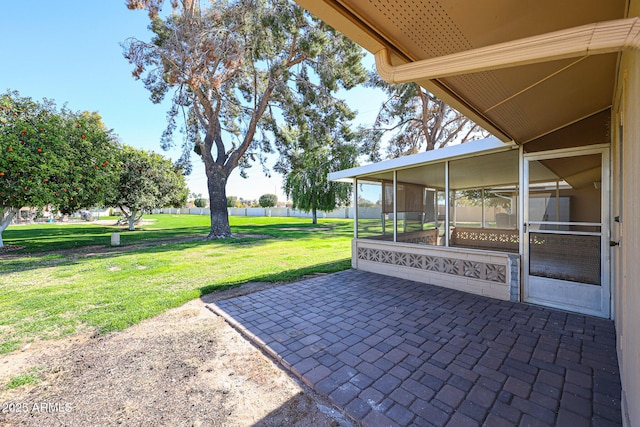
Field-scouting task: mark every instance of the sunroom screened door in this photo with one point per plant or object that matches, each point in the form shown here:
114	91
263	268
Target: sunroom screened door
566	217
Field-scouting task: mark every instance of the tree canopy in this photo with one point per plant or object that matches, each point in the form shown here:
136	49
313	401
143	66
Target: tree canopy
236	68
306	160
413	120
200	202
145	181
51	157
268	200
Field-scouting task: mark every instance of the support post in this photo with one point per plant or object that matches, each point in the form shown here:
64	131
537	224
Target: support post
447	204
395	206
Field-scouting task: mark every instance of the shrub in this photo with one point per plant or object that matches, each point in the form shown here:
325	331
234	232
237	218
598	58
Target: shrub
268	200
232	201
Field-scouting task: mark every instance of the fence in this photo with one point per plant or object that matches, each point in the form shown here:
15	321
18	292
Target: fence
372	212
278	212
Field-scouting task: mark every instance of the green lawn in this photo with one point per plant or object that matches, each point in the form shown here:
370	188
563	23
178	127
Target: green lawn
45	237
46	295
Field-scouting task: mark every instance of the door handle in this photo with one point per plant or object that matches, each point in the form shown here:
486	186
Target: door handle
614	243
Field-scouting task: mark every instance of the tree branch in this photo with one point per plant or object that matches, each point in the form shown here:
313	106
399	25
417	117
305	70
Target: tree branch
234	158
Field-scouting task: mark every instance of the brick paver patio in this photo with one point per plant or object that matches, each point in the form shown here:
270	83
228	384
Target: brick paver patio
396	352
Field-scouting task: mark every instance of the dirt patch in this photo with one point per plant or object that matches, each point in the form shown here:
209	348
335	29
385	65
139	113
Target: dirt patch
10	248
114	223
184	367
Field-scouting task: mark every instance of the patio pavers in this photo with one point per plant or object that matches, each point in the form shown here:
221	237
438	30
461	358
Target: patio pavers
392	352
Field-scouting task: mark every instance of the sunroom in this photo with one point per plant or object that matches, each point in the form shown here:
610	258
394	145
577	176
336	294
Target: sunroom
457	217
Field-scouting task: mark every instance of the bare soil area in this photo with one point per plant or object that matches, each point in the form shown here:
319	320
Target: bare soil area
186	367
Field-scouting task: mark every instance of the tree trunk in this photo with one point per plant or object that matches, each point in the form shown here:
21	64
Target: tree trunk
217	186
314	209
6	216
132	221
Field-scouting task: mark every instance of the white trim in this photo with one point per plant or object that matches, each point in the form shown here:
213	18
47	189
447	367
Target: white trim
355	206
395	205
567	152
585	40
563	232
538	296
606	231
447	205
522	219
588	224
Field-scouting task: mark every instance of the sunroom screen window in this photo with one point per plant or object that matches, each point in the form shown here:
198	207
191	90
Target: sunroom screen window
483	202
371	219
417	204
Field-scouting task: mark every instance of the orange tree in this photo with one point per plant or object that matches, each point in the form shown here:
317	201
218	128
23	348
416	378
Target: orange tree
145	181
51	158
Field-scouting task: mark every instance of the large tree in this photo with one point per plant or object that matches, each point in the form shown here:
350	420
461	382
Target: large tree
413	120
146	181
318	142
305	170
51	157
235	68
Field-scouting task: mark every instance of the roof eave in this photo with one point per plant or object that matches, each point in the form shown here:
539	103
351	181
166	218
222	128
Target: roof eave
340	18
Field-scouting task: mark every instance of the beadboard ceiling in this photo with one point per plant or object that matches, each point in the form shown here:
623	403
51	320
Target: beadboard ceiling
520	103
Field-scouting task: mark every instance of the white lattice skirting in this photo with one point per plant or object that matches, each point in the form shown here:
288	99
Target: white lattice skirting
480	272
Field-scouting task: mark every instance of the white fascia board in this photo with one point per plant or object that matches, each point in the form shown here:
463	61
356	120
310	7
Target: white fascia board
591	39
468	149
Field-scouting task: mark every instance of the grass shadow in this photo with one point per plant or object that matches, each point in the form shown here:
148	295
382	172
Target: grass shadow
287	276
37	260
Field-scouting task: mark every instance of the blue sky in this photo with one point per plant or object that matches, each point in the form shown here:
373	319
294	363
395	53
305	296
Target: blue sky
69	51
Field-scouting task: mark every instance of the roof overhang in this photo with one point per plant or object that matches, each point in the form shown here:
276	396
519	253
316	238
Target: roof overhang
579	42
519	69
